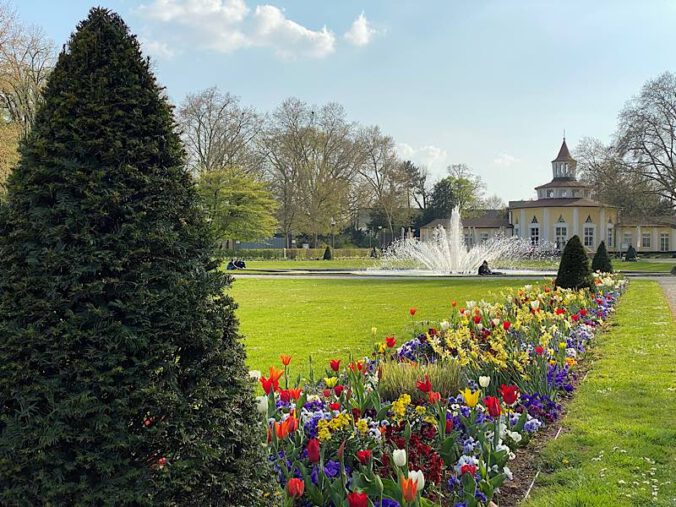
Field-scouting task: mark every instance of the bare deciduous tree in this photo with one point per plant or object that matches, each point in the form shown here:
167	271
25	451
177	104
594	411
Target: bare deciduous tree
647	134
218	132
385	173
27	57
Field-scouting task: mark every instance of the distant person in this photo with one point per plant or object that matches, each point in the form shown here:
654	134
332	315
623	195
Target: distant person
240	264
484	269
231	265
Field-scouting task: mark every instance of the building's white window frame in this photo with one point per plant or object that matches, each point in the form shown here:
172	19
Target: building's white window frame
534	234
588	233
625	243
610	236
645	236
560	234
664	241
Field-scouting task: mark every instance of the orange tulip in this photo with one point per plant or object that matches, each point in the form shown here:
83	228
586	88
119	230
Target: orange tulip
286	359
409	488
295	393
295	488
275	374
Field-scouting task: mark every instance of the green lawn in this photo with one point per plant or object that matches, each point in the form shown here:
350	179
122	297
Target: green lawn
621	443
652	265
333	318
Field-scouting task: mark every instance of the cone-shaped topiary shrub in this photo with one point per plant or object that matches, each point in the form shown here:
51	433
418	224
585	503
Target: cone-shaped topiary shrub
328	253
574	271
601	261
122	378
631	254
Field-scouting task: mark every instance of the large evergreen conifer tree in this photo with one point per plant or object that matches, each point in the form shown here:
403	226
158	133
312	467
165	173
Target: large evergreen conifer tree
122	379
574	271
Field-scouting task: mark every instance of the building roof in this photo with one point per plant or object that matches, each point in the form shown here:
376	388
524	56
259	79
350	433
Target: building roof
663	221
563	182
489	219
556	202
564	154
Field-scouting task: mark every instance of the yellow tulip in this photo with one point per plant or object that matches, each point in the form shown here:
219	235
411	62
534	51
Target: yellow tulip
471	398
330	381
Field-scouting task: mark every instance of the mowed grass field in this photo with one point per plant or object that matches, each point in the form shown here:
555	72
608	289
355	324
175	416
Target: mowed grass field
644	266
333	318
619	448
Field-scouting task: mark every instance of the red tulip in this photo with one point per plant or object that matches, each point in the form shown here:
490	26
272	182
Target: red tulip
424	385
286	359
560	311
583	312
335	364
468	469
493	405
434	397
462	310
334	405
326	393
338	390
364	456
390	341
449	425
412	311
285	395
312	449
432	331
356	366
148	422
357	499
356	413
539	350
295	488
162	461
477	319
506	325
575	317
269	384
509	393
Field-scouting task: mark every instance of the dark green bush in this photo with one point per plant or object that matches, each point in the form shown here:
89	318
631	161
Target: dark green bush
574	271
328	254
122	377
631	254
601	261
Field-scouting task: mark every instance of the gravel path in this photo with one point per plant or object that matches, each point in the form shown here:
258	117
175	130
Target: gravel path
669	286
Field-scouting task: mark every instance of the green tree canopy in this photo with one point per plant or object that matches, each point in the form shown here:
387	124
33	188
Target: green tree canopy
123	379
239	206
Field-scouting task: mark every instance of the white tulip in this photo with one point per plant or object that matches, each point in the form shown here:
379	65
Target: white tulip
484	381
535	305
444	324
508	473
262	404
254	374
399	457
418	477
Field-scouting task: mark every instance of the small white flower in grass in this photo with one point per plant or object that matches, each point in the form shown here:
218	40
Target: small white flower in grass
254	374
399	457
484	381
262	404
418	477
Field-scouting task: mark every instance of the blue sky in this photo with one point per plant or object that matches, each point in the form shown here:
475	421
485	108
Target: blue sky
492	84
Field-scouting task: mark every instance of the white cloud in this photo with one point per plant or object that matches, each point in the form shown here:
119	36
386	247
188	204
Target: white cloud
228	25
288	38
431	156
361	32
157	49
505	160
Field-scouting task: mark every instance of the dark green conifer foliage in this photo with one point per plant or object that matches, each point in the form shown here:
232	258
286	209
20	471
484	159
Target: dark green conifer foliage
118	346
328	253
601	261
574	271
631	254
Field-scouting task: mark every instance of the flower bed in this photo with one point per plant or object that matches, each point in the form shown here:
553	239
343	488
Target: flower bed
341	440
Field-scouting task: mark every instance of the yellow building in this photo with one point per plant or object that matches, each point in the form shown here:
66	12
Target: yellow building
564	208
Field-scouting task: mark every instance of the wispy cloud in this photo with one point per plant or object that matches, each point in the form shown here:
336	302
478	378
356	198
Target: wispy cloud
157	49
228	25
361	32
431	156
505	160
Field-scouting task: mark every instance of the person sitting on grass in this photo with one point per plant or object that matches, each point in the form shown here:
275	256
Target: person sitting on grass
484	269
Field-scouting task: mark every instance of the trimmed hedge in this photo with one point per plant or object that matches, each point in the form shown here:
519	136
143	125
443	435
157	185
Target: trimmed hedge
601	261
574	270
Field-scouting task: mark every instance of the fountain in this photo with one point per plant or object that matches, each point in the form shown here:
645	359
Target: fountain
446	252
